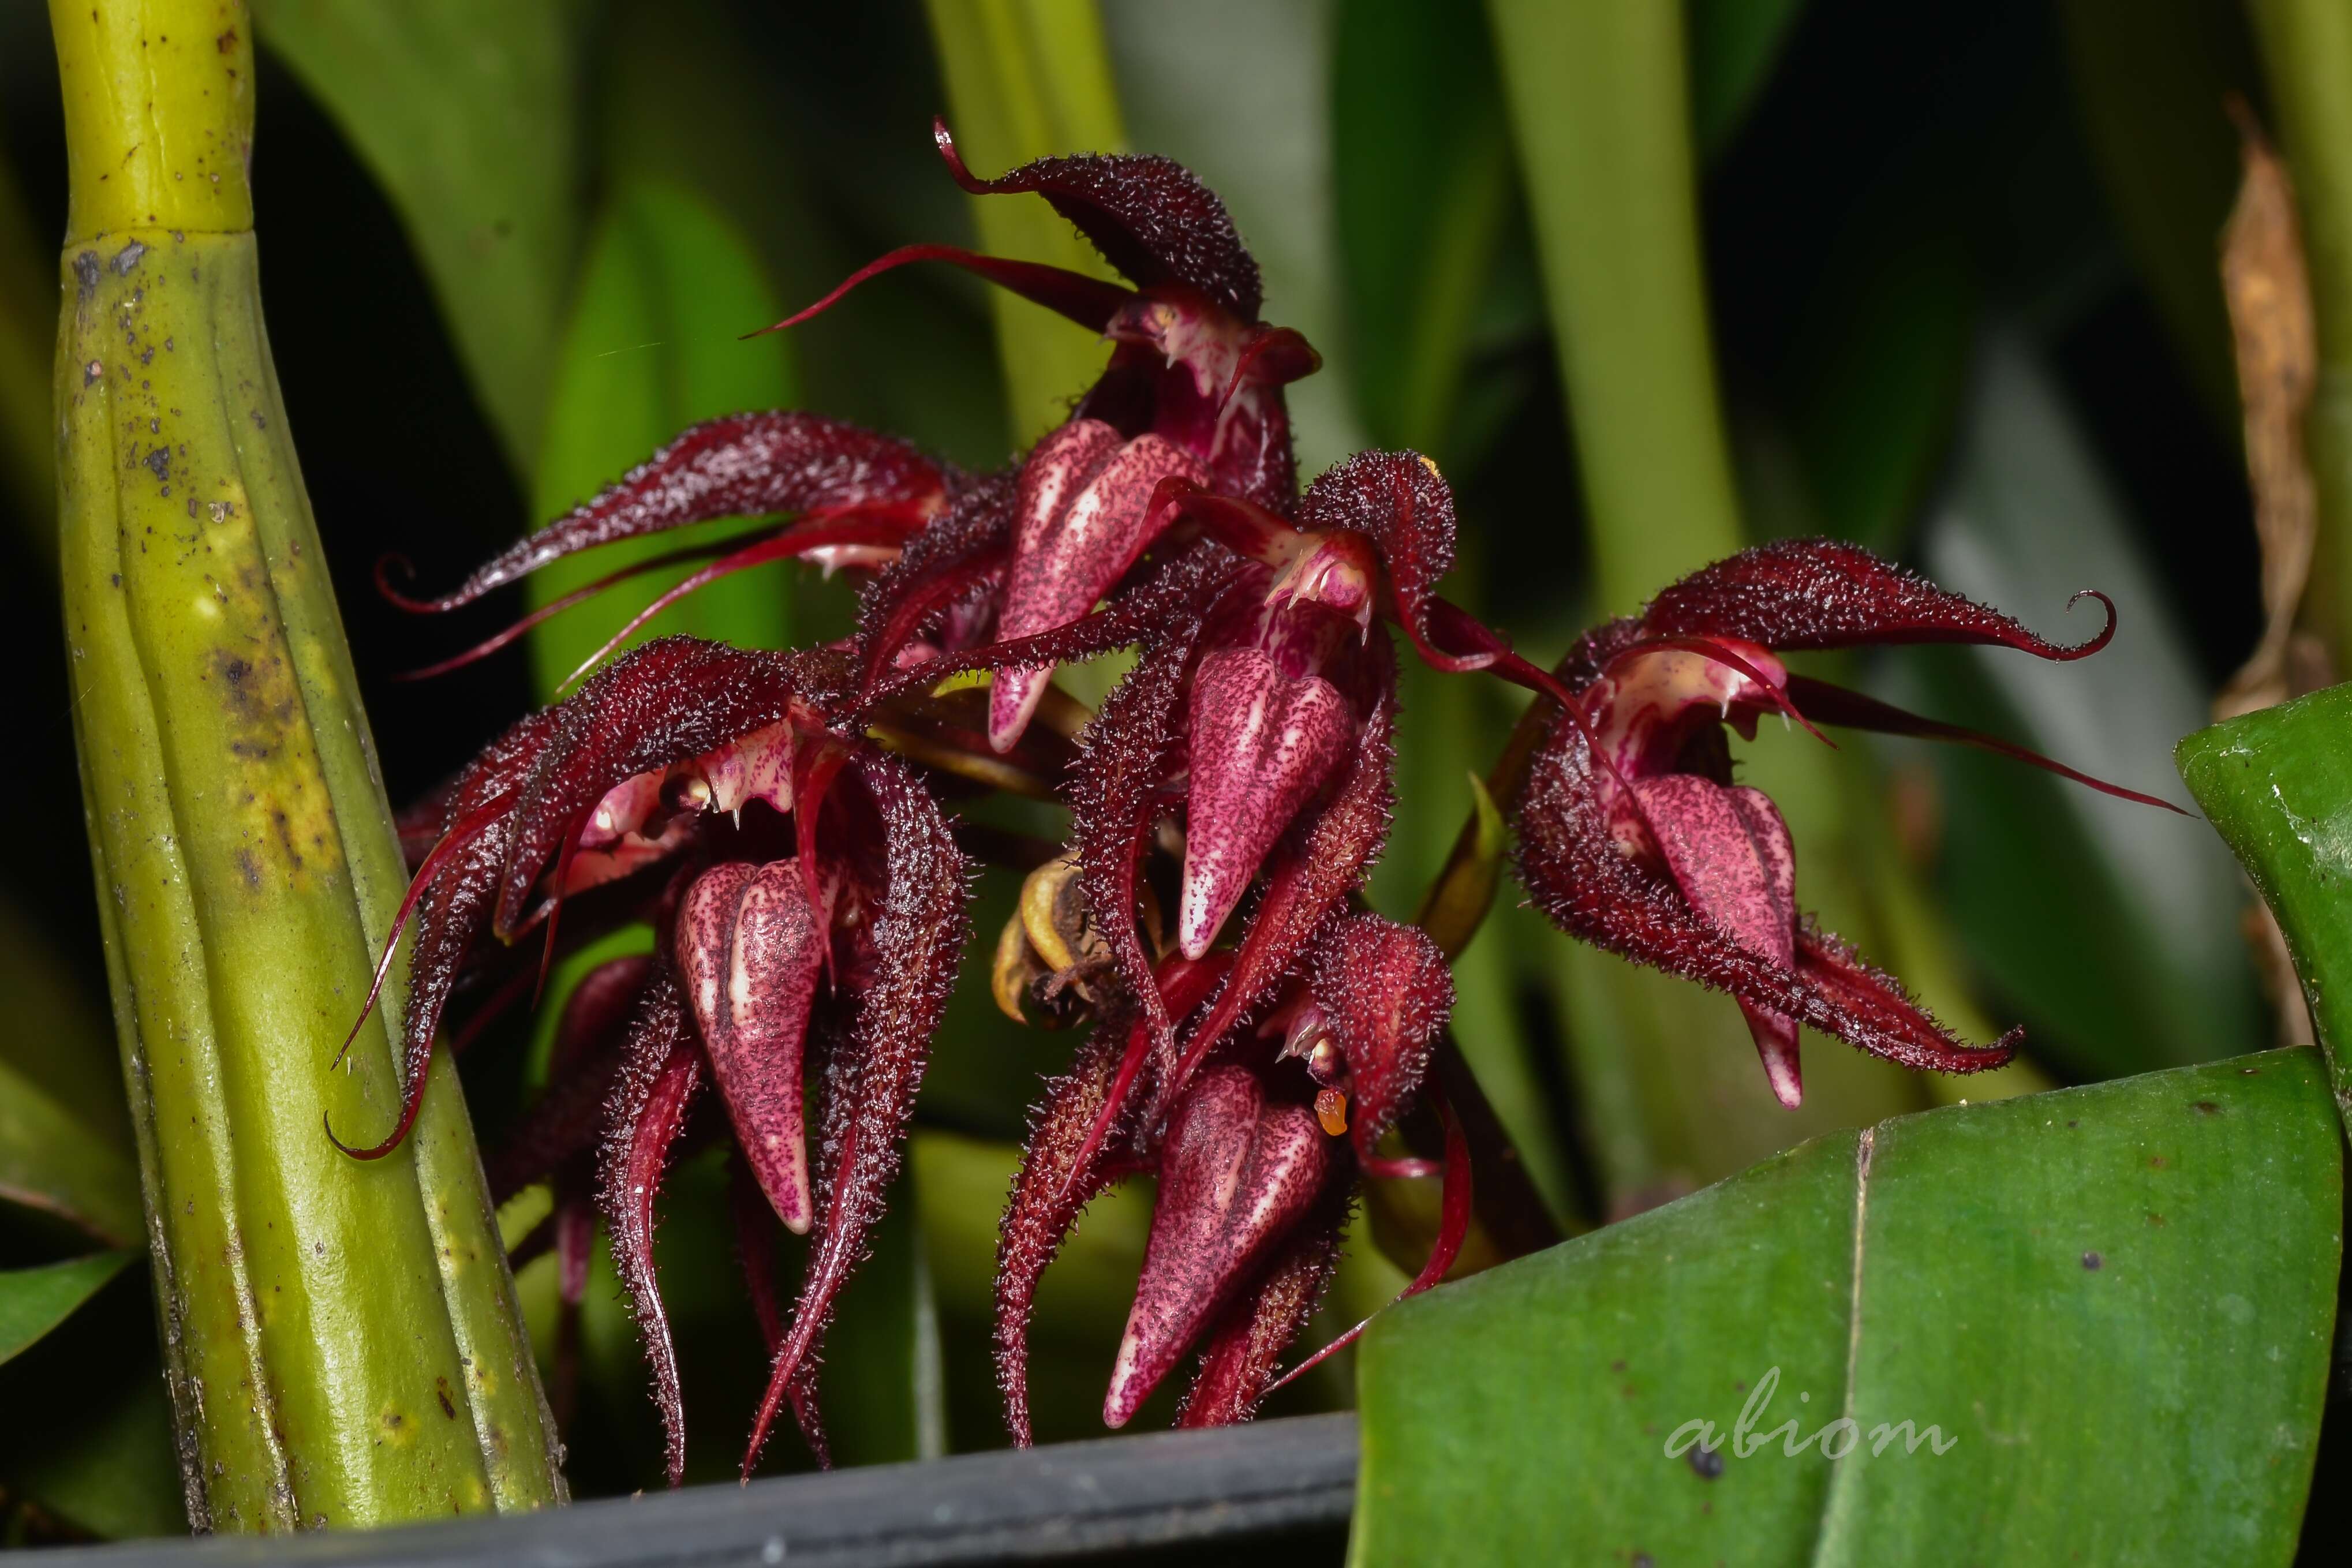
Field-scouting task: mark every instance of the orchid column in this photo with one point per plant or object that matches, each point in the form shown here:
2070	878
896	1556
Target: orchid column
340	1338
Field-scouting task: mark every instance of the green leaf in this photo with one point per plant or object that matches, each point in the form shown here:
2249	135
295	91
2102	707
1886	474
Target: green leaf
1027	79
468	115
56	1035
820	169
2277	787
1422	186
1734	43
102	1458
2113	1304
1878	371
653	346
1599	111
2151	98
35	1300
53	1161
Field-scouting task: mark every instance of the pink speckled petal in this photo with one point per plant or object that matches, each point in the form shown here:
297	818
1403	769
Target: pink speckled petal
750	950
1263	743
1728	852
1082	515
1235	1176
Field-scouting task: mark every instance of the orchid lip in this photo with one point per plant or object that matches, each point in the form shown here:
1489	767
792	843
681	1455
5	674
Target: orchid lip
1263	743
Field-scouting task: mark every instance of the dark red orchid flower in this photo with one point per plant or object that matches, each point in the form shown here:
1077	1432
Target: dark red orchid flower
1635	837
1270	1046
803	887
805	892
1257	1160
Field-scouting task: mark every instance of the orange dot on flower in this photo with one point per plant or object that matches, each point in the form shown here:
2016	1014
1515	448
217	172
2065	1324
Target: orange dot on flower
1331	1110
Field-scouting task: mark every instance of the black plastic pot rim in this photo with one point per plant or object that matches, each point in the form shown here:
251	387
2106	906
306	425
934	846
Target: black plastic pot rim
1269	1478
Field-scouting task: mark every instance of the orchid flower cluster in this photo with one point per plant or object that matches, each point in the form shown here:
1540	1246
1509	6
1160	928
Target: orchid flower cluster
776	818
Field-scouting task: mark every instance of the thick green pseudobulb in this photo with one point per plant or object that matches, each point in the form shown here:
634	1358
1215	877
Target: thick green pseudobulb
340	1338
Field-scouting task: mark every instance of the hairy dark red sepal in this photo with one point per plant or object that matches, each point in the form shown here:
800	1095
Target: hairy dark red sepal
1387	991
1242	1356
1835	704
962	549
1088	301
450	900
919	928
1399	501
1061	1172
1572	868
1826	593
744	464
663	702
1115	800
660	1072
1150	217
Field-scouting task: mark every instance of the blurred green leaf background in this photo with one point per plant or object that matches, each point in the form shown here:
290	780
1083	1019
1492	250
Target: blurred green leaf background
1648	281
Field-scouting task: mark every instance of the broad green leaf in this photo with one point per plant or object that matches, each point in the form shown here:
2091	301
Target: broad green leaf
109	1468
2112	1306
56	1035
2151	87
653	346
101	1457
1877	374
2111	927
820	171
2277	787
1421	181
467	115
53	1161
1734	45
35	1300
1027	79
1599	112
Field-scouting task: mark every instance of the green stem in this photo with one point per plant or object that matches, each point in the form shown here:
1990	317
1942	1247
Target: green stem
1601	109
1028	79
340	1338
